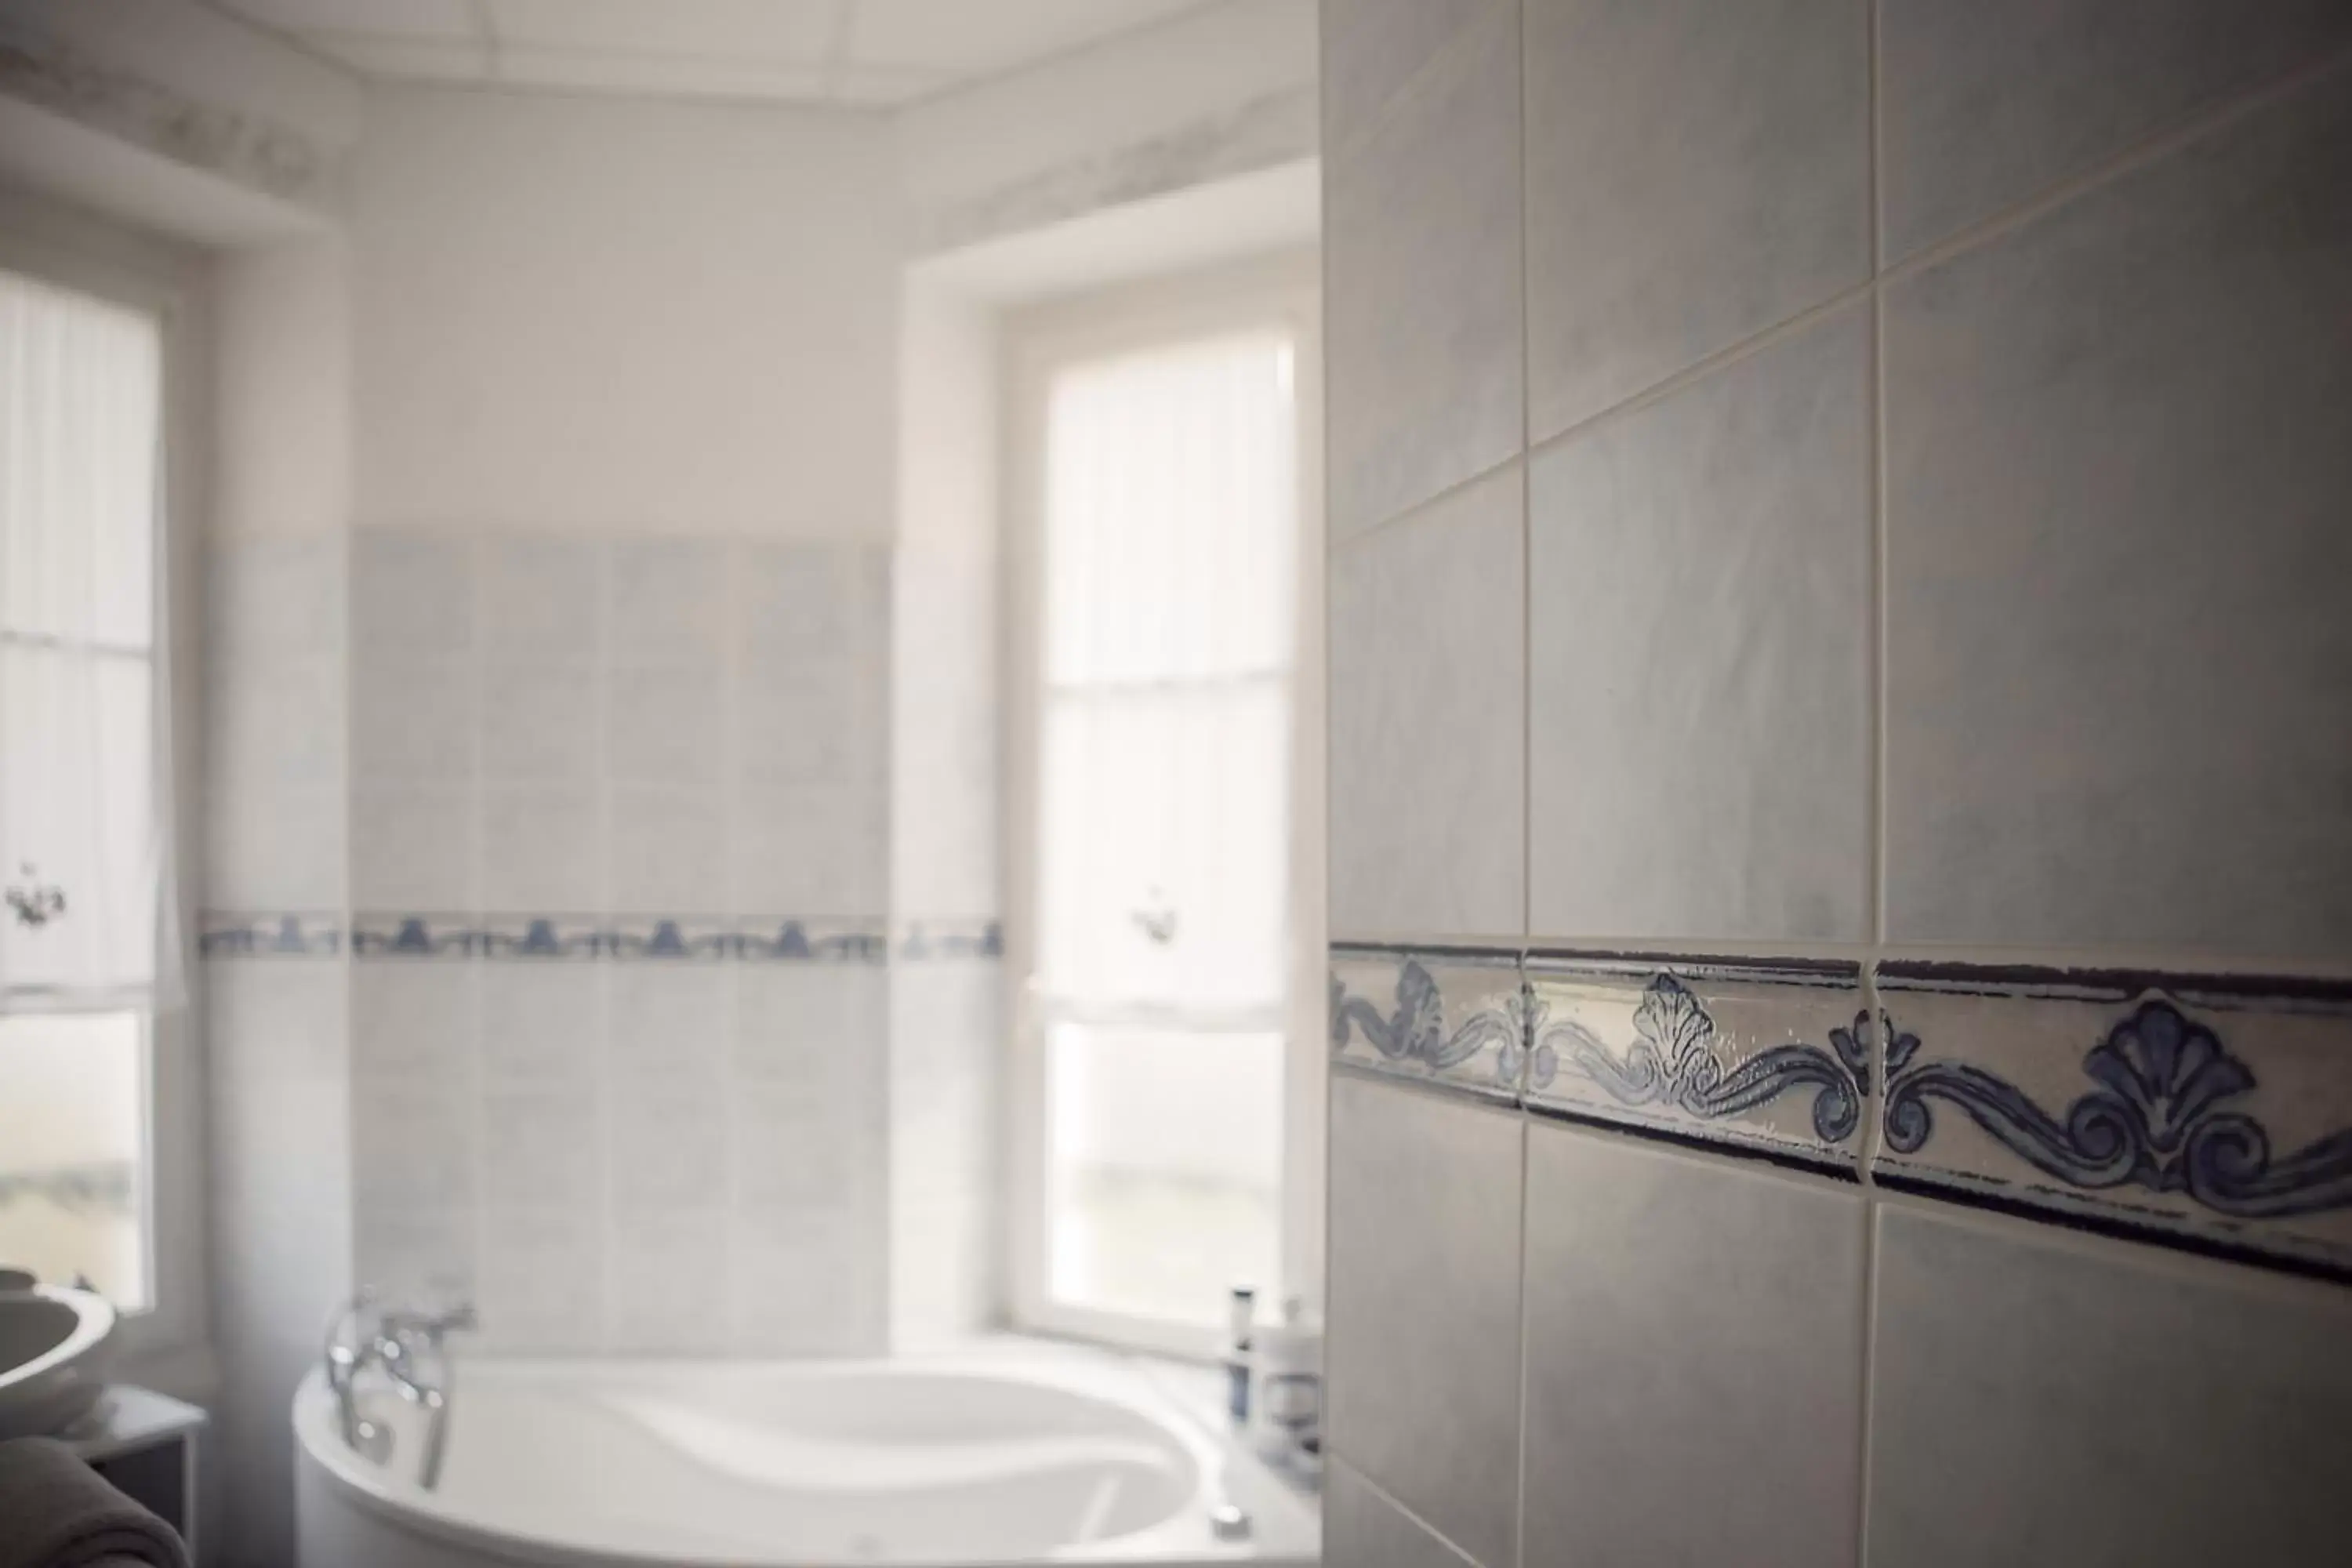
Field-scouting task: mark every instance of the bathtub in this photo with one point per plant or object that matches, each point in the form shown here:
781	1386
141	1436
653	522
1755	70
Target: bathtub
1011	1453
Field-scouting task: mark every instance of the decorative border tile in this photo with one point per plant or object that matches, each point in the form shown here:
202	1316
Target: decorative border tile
1770	1056
623	938
541	938
228	933
1452	1015
926	940
2210	1112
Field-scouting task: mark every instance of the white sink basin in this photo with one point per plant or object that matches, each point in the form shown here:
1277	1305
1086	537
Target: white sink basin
53	1356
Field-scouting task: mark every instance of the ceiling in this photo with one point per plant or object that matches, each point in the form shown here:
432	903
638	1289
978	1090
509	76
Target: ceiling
875	52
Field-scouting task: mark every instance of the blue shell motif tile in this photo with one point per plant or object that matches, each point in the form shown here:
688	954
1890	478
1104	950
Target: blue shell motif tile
2210	1112
230	933
1771	1057
793	939
1453	1016
407	935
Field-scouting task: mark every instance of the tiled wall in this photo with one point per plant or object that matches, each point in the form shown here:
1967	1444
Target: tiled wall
619	863
1840	840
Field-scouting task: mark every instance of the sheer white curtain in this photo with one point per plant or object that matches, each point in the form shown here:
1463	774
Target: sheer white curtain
85	851
1171	503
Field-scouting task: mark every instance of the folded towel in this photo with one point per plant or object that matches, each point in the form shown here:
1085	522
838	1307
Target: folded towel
58	1512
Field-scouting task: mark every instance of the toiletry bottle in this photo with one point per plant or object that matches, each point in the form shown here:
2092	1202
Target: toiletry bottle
1241	1326
1288	1401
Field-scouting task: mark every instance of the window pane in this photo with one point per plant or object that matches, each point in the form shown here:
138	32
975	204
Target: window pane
1163	1169
1163	847
77	816
72	1187
80	388
1171	514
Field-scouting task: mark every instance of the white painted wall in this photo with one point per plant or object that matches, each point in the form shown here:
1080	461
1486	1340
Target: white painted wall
624	315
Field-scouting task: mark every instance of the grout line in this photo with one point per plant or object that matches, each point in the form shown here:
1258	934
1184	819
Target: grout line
1883	273
1338	540
2129	160
1364	1480
1699	370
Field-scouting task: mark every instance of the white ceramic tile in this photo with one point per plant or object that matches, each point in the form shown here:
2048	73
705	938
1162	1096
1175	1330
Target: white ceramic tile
417	1257
804	1287
799	601
799	1152
413	594
1423	1014
1422	1355
413	1021
2115	451
2212	1113
1364	1530
1694	1341
275	726
281	852
670	602
803	725
540	723
1374	51
666	848
1700	582
665	1281
542	1147
669	1146
1695	174
670	1021
412	722
1770	1056
1426	721
414	1145
2040	1399
542	601
274	1023
542	1023
665	726
413	849
1421	285
272	598
542	848
1984	104
822	850
541	1284
810	1025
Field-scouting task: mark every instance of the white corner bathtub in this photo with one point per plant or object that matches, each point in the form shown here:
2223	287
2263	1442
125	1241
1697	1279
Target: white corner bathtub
1007	1455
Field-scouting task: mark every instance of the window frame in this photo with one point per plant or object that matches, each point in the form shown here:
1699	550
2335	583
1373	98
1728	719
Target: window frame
1281	290
71	249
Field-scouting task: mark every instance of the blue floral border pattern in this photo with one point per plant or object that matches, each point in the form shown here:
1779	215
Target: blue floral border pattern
594	938
2161	1128
224	933
1408	1036
2160	1120
1678	1061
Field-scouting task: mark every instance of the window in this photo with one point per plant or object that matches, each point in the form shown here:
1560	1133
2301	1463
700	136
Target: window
1163	908
84	847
